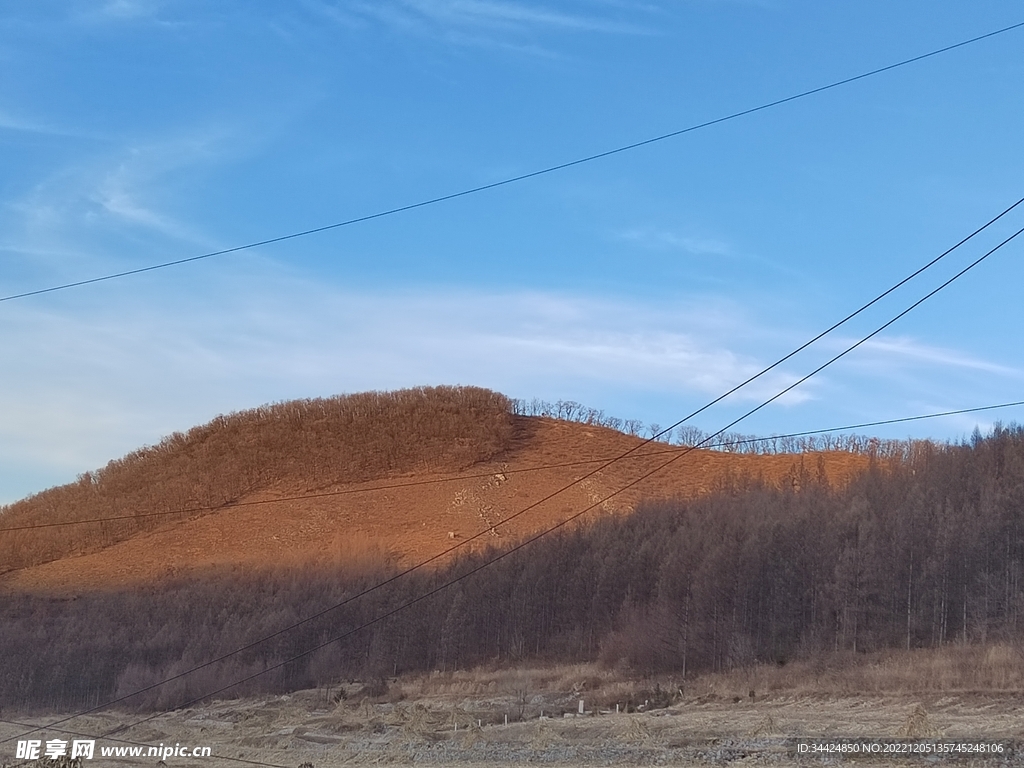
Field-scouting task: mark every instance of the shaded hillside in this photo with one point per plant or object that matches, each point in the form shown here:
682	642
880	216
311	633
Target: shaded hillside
300	445
925	554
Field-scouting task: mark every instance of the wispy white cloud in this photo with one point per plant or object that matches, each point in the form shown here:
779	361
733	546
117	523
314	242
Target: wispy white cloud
108	197
488	22
502	13
656	239
127	192
127	9
10	122
337	13
521	338
92	383
661	239
132	15
895	376
905	350
121	11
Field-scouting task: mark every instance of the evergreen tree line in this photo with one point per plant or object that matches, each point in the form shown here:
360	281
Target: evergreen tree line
923	553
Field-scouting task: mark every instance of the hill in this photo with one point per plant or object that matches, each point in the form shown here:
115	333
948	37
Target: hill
409	473
923	553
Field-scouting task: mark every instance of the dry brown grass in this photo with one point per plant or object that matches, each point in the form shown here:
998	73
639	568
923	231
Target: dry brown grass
302	445
422	513
996	667
476	682
558	687
991	668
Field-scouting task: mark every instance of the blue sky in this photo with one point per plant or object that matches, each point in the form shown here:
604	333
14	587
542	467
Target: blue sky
134	132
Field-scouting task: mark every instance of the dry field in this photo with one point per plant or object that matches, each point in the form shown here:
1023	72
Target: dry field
460	718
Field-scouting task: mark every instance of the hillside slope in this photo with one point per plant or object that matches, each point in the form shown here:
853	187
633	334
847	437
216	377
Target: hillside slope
423	512
301	445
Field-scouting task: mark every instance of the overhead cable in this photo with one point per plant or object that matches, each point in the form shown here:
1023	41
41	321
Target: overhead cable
528	541
515	179
728	444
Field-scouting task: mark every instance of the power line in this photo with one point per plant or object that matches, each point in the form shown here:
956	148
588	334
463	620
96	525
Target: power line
577	515
531	175
520	471
528	541
684	449
864	307
521	177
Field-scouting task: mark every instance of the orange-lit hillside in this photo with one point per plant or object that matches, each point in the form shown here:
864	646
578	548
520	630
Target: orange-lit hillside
419	472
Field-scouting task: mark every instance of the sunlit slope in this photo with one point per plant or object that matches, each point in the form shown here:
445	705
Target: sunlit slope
417	507
300	446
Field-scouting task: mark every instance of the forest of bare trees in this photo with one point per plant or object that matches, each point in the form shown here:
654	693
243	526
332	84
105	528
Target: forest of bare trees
924	553
300	445
308	445
730	442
